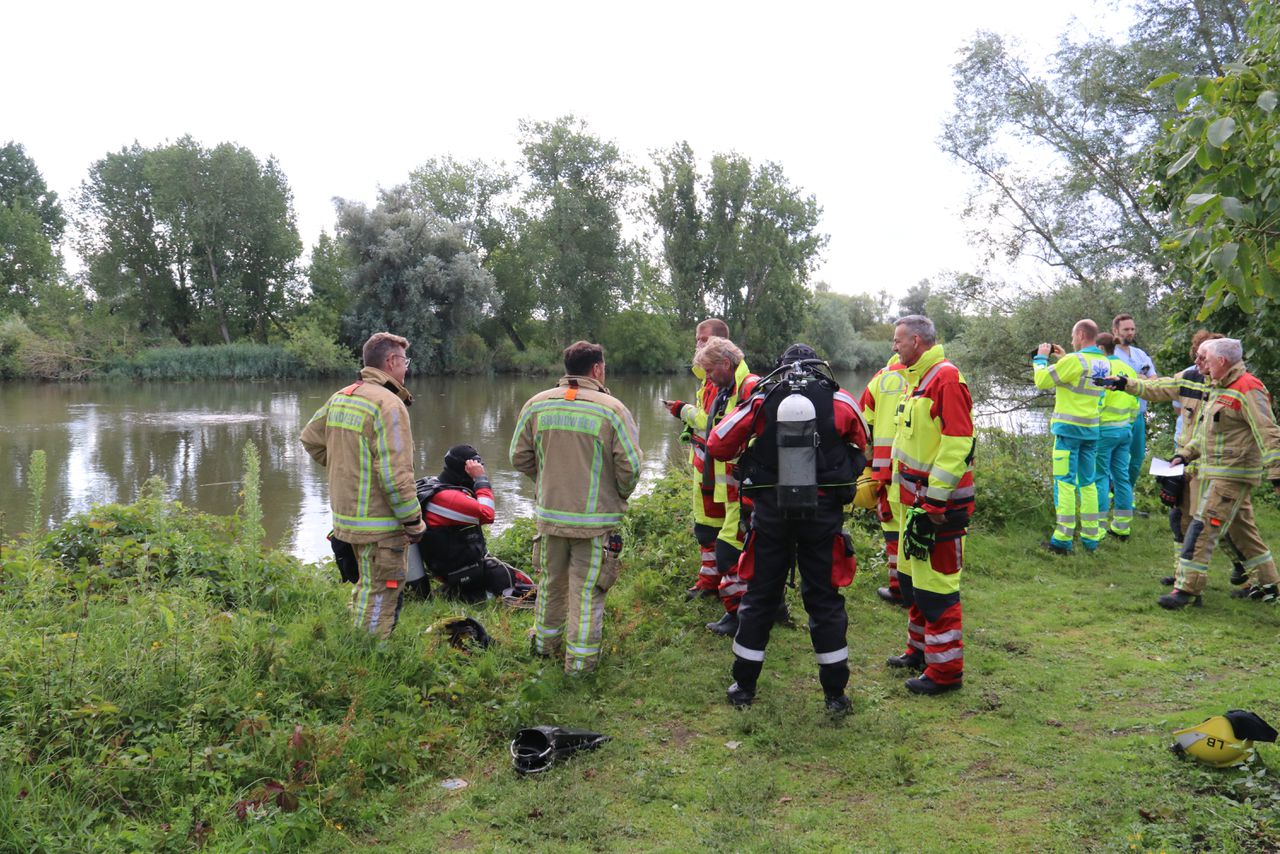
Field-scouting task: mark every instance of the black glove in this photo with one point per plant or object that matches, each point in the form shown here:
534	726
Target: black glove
1118	383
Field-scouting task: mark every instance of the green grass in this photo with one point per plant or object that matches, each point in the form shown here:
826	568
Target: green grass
148	696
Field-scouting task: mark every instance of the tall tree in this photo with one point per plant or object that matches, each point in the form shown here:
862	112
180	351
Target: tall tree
582	266
412	273
478	198
1216	177
677	208
1059	155
740	242
31	224
200	240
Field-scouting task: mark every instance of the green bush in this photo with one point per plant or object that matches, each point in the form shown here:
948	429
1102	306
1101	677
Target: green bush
14	333
317	350
470	355
533	361
640	342
1012	476
244	361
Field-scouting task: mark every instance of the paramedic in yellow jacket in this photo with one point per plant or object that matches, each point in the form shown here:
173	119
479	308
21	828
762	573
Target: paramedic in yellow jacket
725	368
1077	415
362	436
1120	413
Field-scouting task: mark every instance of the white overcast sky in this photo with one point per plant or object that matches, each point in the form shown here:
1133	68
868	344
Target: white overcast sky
848	98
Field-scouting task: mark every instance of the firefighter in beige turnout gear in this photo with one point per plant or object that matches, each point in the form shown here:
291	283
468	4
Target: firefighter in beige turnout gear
1236	442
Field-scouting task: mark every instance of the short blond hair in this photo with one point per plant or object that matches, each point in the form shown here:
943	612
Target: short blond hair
380	347
716	348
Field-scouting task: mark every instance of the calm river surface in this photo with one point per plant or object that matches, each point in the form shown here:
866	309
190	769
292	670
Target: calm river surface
103	440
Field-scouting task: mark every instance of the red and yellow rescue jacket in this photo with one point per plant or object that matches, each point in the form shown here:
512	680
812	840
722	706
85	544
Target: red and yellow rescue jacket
879	404
718	479
933	441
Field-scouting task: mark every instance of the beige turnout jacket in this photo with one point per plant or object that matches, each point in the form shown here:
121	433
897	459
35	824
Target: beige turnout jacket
582	449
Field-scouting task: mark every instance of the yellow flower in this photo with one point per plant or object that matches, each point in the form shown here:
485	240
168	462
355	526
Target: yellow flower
258	695
338	825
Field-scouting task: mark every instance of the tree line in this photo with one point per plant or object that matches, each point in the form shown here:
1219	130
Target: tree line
1140	171
481	264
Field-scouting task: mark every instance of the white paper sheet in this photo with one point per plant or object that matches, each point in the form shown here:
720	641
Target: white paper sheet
1161	468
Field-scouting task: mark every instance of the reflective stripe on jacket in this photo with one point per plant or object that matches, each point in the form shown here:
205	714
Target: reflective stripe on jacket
702	419
934	439
880	407
1119	409
1236	437
582	449
362	436
1077	402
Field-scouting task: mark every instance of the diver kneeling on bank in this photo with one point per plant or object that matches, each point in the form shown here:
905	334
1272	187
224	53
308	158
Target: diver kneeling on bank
456	504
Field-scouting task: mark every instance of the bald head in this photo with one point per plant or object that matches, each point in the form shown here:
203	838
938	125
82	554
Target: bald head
1083	334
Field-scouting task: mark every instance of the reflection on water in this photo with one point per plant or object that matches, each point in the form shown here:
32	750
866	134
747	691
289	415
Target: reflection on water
104	440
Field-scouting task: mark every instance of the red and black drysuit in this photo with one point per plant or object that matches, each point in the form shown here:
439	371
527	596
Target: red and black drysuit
775	542
453	548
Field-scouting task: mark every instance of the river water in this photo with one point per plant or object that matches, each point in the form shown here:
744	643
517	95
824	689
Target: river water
103	440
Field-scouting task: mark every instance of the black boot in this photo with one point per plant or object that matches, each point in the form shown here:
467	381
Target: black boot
907	661
726	625
1177	600
839	705
1238	574
925	685
740	697
1168	580
1258	593
888	595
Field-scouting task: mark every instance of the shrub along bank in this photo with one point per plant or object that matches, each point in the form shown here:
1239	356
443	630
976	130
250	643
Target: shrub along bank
168	685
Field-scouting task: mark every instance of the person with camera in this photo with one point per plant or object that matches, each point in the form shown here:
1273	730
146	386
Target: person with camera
362	436
457	504
1077	414
800	441
581	447
933	447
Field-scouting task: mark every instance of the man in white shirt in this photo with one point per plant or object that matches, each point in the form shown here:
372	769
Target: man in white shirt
1126	332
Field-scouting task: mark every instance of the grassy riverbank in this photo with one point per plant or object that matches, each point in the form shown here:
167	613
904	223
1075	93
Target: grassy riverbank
162	678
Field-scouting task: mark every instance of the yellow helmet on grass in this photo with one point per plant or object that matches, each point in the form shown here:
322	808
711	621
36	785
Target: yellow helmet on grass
1223	740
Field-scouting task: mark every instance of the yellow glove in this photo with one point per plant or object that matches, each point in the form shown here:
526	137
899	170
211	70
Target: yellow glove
867	494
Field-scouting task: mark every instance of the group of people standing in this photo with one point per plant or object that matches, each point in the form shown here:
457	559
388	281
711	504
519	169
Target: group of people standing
775	460
1226	442
756	520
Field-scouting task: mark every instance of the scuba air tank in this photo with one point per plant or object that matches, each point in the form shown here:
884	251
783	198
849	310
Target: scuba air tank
797	455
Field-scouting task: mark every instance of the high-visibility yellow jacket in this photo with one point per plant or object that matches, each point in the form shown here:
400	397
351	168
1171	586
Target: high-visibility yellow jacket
582	449
1077	402
702	421
1119	409
879	404
933	439
362	436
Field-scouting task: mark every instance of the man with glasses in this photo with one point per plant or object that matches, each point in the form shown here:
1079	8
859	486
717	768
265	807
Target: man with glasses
362	436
